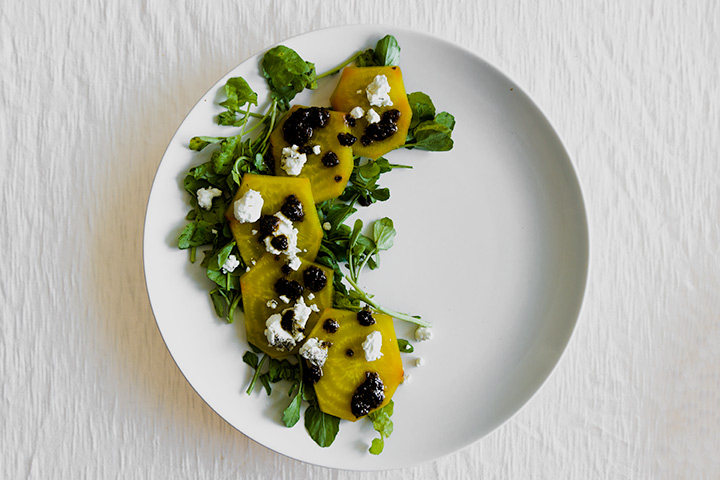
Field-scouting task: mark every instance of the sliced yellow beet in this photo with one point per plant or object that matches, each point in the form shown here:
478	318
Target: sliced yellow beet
261	299
328	170
344	372
274	192
351	92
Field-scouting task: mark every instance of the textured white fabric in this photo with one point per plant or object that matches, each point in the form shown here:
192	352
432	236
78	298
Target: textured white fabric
90	95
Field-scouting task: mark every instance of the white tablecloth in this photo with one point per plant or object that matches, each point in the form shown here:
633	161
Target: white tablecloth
91	93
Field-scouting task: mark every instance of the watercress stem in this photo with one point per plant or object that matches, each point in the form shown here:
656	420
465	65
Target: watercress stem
341	66
400	316
257	374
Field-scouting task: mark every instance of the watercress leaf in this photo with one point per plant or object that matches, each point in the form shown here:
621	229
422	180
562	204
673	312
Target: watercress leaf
287	74
384	233
323	428
377	446
357	227
405	346
196	234
422	108
381	194
238	94
222	159
220	302
369	171
387	51
433	136
266	384
446	119
251	359
198	143
366	59
291	414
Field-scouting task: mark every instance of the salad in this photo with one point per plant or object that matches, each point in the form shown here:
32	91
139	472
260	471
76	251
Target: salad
271	209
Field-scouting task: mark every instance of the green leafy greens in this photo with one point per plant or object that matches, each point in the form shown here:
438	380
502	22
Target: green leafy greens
346	249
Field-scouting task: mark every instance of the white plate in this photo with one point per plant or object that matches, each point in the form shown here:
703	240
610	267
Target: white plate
492	248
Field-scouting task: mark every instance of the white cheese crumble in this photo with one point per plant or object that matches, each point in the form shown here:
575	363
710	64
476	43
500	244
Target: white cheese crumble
292	161
372	345
301	313
206	195
315	351
372	116
327	226
378	92
311	296
419	362
317	149
247	208
423	333
277	336
272	304
285	227
231	263
295	263
357	112
407	378
284	299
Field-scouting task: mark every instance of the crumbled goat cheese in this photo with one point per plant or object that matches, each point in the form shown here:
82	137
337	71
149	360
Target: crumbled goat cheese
327	226
295	263
314	308
422	334
372	116
378	92
311	296
292	161
372	345
284	299
301	314
407	378
272	304
280	338
206	195
285	227
315	351
230	264
419	362
277	336
317	149
247	208
357	112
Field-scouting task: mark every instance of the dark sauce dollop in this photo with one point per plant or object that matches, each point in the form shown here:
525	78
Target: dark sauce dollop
346	139
365	318
330	159
290	288
314	278
331	325
368	396
292	209
385	128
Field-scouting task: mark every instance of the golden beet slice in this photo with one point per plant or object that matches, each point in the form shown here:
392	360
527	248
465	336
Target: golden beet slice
329	163
351	92
275	192
261	300
346	367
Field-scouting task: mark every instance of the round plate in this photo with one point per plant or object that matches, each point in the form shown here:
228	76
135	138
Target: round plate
492	248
